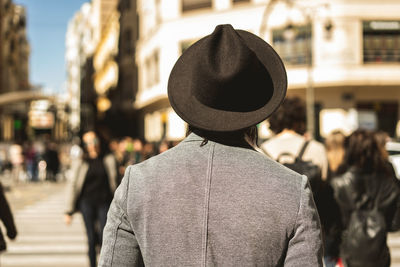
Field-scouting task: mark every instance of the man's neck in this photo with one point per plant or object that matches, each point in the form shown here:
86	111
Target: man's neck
287	131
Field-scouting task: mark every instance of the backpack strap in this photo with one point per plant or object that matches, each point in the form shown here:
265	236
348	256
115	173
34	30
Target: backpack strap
303	149
285	154
299	156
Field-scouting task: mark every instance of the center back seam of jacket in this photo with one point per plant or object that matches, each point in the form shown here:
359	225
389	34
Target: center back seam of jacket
206	205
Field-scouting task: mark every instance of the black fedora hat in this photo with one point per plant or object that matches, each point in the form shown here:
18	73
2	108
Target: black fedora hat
227	81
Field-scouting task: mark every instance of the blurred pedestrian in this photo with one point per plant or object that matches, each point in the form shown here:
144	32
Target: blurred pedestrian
383	137
369	201
213	200
17	162
7	219
113	145
91	190
122	157
52	161
137	151
3	159
289	143
289	125
31	161
76	150
164	146
334	144
148	150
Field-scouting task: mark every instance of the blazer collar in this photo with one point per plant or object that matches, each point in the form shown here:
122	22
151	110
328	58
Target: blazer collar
193	137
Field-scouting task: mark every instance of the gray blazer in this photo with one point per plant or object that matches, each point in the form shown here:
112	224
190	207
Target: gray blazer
212	205
78	171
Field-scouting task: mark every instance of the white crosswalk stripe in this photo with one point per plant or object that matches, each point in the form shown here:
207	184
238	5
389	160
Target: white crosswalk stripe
44	240
394	245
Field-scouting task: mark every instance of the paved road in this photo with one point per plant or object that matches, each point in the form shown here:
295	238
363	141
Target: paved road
45	241
394	245
43	238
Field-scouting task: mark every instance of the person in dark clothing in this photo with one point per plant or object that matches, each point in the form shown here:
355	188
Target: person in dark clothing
367	188
52	161
7	218
31	161
121	156
91	190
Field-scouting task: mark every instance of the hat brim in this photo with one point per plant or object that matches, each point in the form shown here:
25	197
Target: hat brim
204	117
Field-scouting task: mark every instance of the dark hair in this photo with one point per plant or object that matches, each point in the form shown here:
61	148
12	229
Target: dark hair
236	137
364	152
290	115
382	137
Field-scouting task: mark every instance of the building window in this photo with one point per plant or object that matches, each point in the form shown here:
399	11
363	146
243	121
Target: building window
381	41
152	70
293	44
195	4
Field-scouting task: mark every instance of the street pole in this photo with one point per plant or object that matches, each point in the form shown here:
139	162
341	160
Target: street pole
264	19
310	96
309	87
310	99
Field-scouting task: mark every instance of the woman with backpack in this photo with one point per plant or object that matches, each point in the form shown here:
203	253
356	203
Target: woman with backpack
369	202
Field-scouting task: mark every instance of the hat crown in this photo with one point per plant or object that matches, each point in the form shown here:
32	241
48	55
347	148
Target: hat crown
227	81
233	78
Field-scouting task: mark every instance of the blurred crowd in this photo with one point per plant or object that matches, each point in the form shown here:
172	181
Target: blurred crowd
356	191
46	160
31	161
128	151
354	173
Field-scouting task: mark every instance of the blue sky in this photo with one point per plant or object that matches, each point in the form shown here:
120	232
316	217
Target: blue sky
47	22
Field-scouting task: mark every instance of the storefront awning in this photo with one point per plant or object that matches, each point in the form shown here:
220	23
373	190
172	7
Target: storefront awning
20	96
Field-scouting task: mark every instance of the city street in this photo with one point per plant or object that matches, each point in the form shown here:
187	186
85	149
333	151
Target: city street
43	237
394	245
82	79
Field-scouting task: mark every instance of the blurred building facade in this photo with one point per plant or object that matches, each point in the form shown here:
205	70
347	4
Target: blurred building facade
122	114
101	77
15	89
347	52
82	38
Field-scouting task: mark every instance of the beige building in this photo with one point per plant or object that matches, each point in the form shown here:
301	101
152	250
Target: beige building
101	70
15	90
343	56
105	66
92	44
82	39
